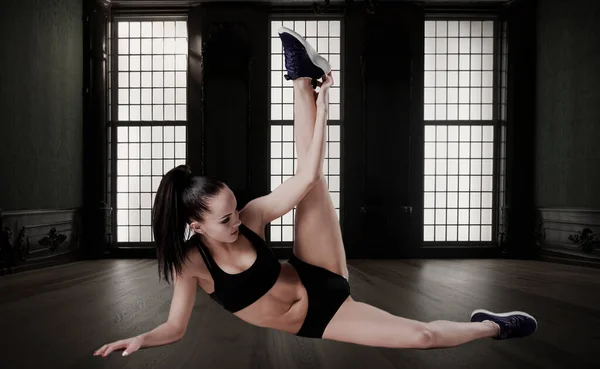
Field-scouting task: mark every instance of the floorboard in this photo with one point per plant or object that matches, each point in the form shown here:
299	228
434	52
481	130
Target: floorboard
56	317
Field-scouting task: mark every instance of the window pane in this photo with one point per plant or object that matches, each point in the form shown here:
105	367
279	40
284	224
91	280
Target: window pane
146	52
458	172
458	62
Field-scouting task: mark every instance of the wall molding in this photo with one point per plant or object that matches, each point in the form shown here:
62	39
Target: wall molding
38	211
570	210
32	239
560	232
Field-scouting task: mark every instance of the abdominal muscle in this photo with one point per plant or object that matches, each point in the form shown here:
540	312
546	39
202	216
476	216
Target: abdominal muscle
283	307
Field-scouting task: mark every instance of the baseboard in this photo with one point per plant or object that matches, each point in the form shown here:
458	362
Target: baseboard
33	239
46	263
556	228
560	258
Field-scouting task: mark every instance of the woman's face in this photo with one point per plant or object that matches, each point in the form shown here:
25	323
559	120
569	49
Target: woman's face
221	223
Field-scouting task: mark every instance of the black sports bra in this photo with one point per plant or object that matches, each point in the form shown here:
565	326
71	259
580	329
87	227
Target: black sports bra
237	291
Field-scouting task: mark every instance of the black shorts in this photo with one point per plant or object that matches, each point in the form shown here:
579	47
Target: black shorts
326	291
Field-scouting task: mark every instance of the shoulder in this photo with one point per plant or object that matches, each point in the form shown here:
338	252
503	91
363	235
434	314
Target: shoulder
195	267
252	217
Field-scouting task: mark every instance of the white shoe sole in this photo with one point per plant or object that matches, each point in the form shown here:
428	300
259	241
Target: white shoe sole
504	314
315	58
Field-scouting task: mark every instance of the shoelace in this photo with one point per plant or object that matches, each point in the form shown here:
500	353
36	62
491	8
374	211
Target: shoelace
509	325
291	55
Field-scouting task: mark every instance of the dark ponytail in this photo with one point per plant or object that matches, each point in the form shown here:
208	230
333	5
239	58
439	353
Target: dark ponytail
181	198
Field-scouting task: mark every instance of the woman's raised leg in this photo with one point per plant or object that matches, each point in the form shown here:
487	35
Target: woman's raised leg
318	238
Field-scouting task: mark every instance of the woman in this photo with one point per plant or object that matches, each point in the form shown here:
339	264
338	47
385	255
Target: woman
308	295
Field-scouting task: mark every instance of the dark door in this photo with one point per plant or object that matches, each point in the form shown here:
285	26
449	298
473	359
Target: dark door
387	205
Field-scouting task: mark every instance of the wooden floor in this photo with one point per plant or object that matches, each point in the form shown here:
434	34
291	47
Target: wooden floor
57	317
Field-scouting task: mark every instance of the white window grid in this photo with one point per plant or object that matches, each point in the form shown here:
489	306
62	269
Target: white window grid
459	116
459	70
148	107
458	183
325	36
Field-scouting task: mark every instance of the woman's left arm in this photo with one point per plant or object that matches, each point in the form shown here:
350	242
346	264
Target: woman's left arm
287	195
267	208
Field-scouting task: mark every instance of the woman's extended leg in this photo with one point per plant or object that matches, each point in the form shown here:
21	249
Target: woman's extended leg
360	323
318	238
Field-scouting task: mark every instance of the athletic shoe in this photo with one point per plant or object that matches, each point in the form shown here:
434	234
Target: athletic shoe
514	324
301	60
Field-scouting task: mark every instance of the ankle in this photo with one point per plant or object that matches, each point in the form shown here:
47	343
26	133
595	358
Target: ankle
495	326
303	82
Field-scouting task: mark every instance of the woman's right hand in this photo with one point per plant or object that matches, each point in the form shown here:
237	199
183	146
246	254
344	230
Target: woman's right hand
129	345
322	98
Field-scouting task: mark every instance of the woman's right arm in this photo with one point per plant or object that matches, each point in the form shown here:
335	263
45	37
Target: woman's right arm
184	297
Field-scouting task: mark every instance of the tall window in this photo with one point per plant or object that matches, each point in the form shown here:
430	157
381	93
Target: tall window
148	117
459	114
325	37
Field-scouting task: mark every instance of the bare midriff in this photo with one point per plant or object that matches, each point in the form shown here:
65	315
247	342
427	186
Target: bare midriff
283	307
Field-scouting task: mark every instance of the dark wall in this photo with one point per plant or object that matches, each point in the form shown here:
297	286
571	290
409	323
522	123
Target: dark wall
229	59
41	102
383	63
568	104
521	123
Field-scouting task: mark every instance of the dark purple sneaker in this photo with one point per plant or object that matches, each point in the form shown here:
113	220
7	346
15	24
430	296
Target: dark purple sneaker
301	60
514	324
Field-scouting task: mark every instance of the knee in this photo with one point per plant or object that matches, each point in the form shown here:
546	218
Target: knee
425	338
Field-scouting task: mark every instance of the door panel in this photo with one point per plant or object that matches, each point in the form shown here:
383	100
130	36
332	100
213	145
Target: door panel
386	141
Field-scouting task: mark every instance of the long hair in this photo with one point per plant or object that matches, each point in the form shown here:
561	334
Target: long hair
180	199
